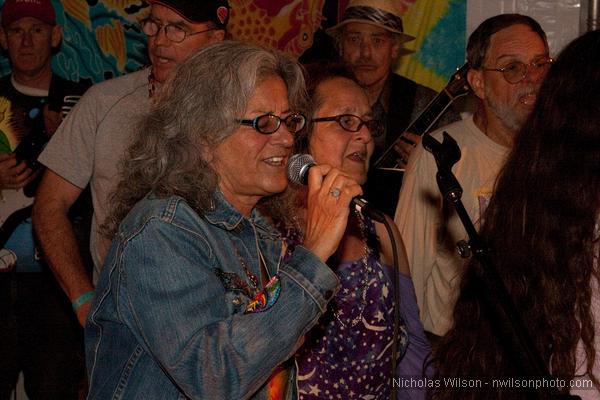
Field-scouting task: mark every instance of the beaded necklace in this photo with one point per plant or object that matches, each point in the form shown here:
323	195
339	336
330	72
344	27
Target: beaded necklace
251	277
368	270
261	298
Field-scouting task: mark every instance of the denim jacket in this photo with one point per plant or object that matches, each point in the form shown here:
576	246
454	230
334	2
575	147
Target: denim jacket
169	320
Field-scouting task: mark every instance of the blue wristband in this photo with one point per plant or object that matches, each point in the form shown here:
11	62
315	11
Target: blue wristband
81	300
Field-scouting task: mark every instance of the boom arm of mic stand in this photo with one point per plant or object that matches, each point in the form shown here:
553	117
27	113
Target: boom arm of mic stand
493	291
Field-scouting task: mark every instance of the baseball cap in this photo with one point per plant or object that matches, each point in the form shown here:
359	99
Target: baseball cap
13	10
195	11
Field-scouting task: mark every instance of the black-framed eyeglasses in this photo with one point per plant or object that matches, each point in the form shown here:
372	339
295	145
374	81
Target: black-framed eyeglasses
174	33
270	123
516	71
353	123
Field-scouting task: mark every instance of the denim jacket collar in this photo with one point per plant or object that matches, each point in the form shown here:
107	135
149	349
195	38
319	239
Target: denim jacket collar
223	214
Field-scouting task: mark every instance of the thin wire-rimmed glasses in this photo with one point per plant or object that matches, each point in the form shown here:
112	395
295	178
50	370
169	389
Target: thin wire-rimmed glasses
353	123
270	123
174	33
516	71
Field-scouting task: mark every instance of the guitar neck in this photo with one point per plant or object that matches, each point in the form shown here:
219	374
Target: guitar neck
419	126
431	114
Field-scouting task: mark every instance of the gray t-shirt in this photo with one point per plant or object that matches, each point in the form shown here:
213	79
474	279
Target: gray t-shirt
89	144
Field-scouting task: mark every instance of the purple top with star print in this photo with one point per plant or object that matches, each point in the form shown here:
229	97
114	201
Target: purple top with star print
348	354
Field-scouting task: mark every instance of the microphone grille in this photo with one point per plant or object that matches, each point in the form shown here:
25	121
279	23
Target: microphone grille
298	166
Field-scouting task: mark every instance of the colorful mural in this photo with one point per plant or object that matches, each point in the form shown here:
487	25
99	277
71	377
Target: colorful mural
102	38
440	30
287	25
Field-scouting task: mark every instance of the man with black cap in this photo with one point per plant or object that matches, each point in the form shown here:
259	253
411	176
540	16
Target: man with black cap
369	39
91	141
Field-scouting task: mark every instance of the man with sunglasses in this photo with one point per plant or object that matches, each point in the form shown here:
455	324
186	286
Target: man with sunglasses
90	143
508	57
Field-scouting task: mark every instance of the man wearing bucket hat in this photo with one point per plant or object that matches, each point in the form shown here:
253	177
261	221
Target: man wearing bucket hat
89	144
39	335
369	39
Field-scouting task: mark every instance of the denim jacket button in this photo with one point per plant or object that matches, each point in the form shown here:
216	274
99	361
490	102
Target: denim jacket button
237	301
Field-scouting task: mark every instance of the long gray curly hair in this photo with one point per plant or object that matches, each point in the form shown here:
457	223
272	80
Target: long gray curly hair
194	112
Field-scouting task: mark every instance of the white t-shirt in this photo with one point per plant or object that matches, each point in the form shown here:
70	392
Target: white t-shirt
430	230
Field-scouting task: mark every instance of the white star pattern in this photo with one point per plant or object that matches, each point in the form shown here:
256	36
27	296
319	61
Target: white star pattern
352	359
314	389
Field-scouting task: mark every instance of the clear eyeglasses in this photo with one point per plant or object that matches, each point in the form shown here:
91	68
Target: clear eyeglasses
174	33
353	123
516	71
270	123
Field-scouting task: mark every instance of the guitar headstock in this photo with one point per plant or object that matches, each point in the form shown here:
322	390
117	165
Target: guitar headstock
458	84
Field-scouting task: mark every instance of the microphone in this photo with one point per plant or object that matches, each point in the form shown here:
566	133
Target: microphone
297	172
298	166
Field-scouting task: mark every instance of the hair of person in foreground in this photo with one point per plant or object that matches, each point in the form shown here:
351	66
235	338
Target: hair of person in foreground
196	110
542	228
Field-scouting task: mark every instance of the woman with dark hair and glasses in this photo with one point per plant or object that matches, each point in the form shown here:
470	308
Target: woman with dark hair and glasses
196	299
350	351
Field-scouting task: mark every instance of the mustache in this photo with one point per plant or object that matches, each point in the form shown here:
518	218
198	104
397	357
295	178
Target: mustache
528	89
159	53
364	62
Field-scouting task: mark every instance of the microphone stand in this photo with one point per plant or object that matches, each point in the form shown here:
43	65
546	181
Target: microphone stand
493	291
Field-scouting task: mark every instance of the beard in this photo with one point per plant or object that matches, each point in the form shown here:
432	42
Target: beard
508	111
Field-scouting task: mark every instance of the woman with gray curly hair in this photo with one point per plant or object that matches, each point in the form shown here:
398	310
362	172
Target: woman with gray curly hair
196	299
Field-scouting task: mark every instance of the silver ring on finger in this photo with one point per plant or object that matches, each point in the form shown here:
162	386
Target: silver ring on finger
335	192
